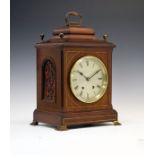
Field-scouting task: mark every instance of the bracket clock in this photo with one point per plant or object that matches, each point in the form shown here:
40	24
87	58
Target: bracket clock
74	77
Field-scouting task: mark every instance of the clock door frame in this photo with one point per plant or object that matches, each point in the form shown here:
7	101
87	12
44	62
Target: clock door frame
70	56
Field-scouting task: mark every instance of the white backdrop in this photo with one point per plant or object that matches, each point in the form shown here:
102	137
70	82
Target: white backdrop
102	139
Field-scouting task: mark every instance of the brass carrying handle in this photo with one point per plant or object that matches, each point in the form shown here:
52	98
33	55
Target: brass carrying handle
72	13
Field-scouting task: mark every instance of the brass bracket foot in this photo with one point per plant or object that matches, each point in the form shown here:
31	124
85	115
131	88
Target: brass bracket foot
116	123
34	123
61	128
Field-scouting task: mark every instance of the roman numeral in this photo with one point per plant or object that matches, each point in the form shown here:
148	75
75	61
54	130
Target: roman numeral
93	64
100	78
98	86
87	62
81	93
76	87
87	96
80	65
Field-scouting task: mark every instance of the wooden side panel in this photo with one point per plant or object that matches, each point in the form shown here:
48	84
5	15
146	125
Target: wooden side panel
49	78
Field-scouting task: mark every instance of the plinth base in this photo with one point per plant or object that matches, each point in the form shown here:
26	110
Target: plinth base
63	119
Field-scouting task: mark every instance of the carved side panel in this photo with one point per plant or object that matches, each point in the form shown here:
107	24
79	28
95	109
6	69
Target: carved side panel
49	81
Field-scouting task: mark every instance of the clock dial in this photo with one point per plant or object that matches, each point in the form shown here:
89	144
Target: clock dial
88	79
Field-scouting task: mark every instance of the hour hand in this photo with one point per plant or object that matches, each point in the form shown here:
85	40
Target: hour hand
82	75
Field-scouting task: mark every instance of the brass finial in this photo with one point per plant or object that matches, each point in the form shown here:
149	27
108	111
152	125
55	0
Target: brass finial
105	37
42	36
61	35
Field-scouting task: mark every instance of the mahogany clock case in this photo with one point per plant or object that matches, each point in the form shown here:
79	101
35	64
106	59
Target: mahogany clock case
56	104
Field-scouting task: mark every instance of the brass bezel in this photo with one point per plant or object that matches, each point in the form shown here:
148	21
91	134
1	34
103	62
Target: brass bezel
105	85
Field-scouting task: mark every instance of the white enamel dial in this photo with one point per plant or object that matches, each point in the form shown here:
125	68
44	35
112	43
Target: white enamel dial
88	79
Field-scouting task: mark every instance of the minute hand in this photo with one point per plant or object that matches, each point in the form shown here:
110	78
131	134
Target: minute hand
94	74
